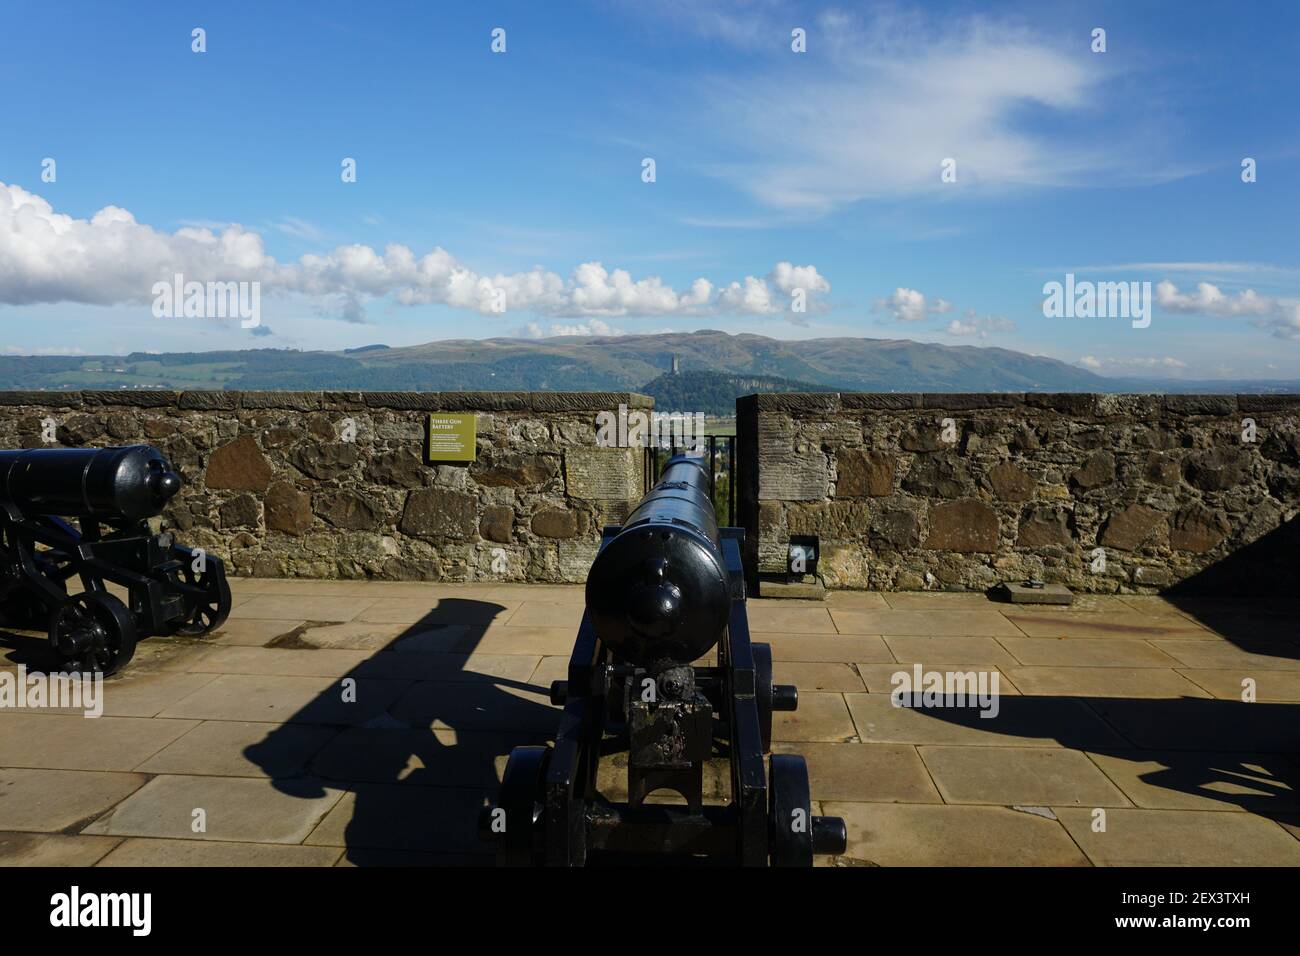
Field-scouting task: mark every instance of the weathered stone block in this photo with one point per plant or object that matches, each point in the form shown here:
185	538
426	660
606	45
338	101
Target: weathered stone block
555	523
1182	405
923	437
238	466
208	400
1198	529
1043	527
348	510
1097	471
864	473
439	513
1162	469
897	529
966	401
516	470
603	474
1216	469
965	526
401	468
880	401
287	509
938	476
828	519
324	461
1010	482
497	524
140	398
1135	526
240	512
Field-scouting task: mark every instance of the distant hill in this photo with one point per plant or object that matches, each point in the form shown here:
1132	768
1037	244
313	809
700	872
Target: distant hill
715	393
583	363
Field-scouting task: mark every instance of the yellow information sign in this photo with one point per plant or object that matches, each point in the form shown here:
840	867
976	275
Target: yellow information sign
451	437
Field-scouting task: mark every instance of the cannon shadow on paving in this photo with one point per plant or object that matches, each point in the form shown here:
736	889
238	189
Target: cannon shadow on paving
418	771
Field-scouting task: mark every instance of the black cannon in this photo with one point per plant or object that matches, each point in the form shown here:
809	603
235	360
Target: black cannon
110	492
666	589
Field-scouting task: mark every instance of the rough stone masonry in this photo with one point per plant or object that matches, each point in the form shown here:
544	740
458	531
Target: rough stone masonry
334	485
1102	493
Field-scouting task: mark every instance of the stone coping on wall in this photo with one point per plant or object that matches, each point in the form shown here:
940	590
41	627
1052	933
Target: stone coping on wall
309	401
1102	404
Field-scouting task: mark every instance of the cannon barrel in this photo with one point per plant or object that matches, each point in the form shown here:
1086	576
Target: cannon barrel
658	594
129	483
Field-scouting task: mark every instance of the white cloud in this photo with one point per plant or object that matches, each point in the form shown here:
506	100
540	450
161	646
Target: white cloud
1167	363
909	305
979	326
48	257
1280	316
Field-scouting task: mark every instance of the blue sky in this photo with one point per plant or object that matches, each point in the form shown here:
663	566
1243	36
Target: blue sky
520	174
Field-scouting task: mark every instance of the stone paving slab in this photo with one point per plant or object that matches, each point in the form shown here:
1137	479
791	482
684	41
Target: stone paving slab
252	633
1181	838
1193	780
930	600
856	599
780	617
1087	652
353	635
1230	684
51	801
450	706
393	817
879	678
1102	682
153	852
62	742
1203	724
879	773
1104	624
282	663
430	611
926	623
820	717
1019	776
53	849
546	614
221	748
811	677
313	700
238	809
430	758
280	607
902	834
1021	722
816	647
971	651
1220	655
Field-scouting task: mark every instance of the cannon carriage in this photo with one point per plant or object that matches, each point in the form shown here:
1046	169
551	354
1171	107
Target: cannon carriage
666	589
110	493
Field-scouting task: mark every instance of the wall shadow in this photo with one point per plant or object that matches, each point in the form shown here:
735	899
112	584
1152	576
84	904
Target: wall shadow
417	749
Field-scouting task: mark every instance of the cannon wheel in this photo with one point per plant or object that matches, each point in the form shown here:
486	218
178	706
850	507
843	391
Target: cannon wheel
93	631
521	798
789	803
763	692
211	611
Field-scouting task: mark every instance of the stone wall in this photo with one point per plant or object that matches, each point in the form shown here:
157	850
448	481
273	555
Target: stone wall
272	486
1099	492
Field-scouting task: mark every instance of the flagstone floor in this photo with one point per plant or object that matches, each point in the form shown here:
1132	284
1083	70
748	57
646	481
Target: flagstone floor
345	723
